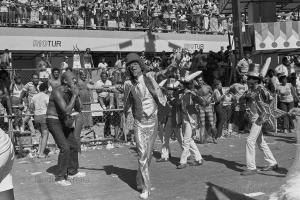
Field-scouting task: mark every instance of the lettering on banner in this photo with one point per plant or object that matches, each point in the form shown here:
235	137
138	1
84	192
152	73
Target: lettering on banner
46	43
194	46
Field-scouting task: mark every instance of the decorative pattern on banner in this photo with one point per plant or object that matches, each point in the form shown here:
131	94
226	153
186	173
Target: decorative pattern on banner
277	35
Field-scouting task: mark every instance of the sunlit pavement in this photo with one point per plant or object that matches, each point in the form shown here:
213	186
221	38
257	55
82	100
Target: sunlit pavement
111	173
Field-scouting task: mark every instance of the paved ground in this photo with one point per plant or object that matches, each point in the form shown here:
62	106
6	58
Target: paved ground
111	174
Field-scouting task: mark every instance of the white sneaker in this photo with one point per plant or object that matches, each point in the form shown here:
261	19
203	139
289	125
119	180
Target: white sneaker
63	183
144	195
78	175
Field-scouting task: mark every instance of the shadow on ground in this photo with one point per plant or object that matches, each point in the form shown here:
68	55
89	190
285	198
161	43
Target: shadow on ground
128	176
228	163
215	192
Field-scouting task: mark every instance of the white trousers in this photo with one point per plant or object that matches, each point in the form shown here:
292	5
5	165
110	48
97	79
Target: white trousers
256	136
188	144
165	134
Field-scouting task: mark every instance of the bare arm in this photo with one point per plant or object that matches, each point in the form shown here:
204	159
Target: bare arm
8	102
64	107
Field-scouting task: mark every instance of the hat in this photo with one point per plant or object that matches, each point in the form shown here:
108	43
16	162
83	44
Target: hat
133	57
66	57
254	70
191	77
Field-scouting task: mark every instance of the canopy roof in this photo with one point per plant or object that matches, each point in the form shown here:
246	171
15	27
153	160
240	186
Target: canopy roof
281	5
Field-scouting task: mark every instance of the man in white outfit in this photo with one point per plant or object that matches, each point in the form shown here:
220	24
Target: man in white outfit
253	96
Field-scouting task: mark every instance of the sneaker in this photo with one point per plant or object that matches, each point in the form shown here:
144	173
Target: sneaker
63	183
78	175
144	195
249	172
196	163
162	160
270	168
181	166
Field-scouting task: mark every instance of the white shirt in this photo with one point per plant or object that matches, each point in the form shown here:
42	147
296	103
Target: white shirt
102	65
100	84
40	103
285	93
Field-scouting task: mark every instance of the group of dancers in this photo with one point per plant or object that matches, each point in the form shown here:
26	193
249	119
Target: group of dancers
174	105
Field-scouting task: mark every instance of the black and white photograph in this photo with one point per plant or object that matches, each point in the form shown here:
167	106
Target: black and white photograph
150	99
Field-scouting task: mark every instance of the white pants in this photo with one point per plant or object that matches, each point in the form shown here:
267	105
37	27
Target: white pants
188	144
256	136
165	134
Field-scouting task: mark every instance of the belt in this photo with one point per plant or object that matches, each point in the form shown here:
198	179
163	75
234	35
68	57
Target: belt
52	117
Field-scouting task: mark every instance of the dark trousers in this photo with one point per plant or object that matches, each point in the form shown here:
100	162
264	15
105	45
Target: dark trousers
223	115
68	146
287	121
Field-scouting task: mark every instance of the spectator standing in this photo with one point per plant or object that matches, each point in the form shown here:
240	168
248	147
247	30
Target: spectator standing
223	107
5	59
30	89
15	91
282	69
54	80
65	64
286	94
243	65
103	65
42	67
106	101
38	106
85	97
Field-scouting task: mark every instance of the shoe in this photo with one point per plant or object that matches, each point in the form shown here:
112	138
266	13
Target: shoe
144	195
196	163
181	166
285	131
249	172
270	168
162	160
78	175
63	183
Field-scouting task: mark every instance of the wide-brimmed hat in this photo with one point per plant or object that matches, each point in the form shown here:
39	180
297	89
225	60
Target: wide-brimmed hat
255	70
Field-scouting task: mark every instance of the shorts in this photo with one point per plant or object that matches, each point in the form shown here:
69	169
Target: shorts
40	121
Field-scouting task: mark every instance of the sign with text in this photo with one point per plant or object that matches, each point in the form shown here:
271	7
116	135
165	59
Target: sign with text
101	41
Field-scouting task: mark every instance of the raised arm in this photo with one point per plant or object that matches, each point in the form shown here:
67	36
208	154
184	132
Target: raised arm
64	107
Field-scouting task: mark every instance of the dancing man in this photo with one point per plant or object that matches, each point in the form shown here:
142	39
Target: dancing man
144	96
189	99
205	108
60	121
173	119
256	93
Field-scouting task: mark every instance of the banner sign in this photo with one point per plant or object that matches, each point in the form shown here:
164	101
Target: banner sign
105	41
277	35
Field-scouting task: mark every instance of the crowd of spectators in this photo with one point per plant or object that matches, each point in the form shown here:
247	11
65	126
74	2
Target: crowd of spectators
158	15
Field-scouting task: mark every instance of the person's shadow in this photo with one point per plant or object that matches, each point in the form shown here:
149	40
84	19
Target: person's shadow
53	170
126	175
229	164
